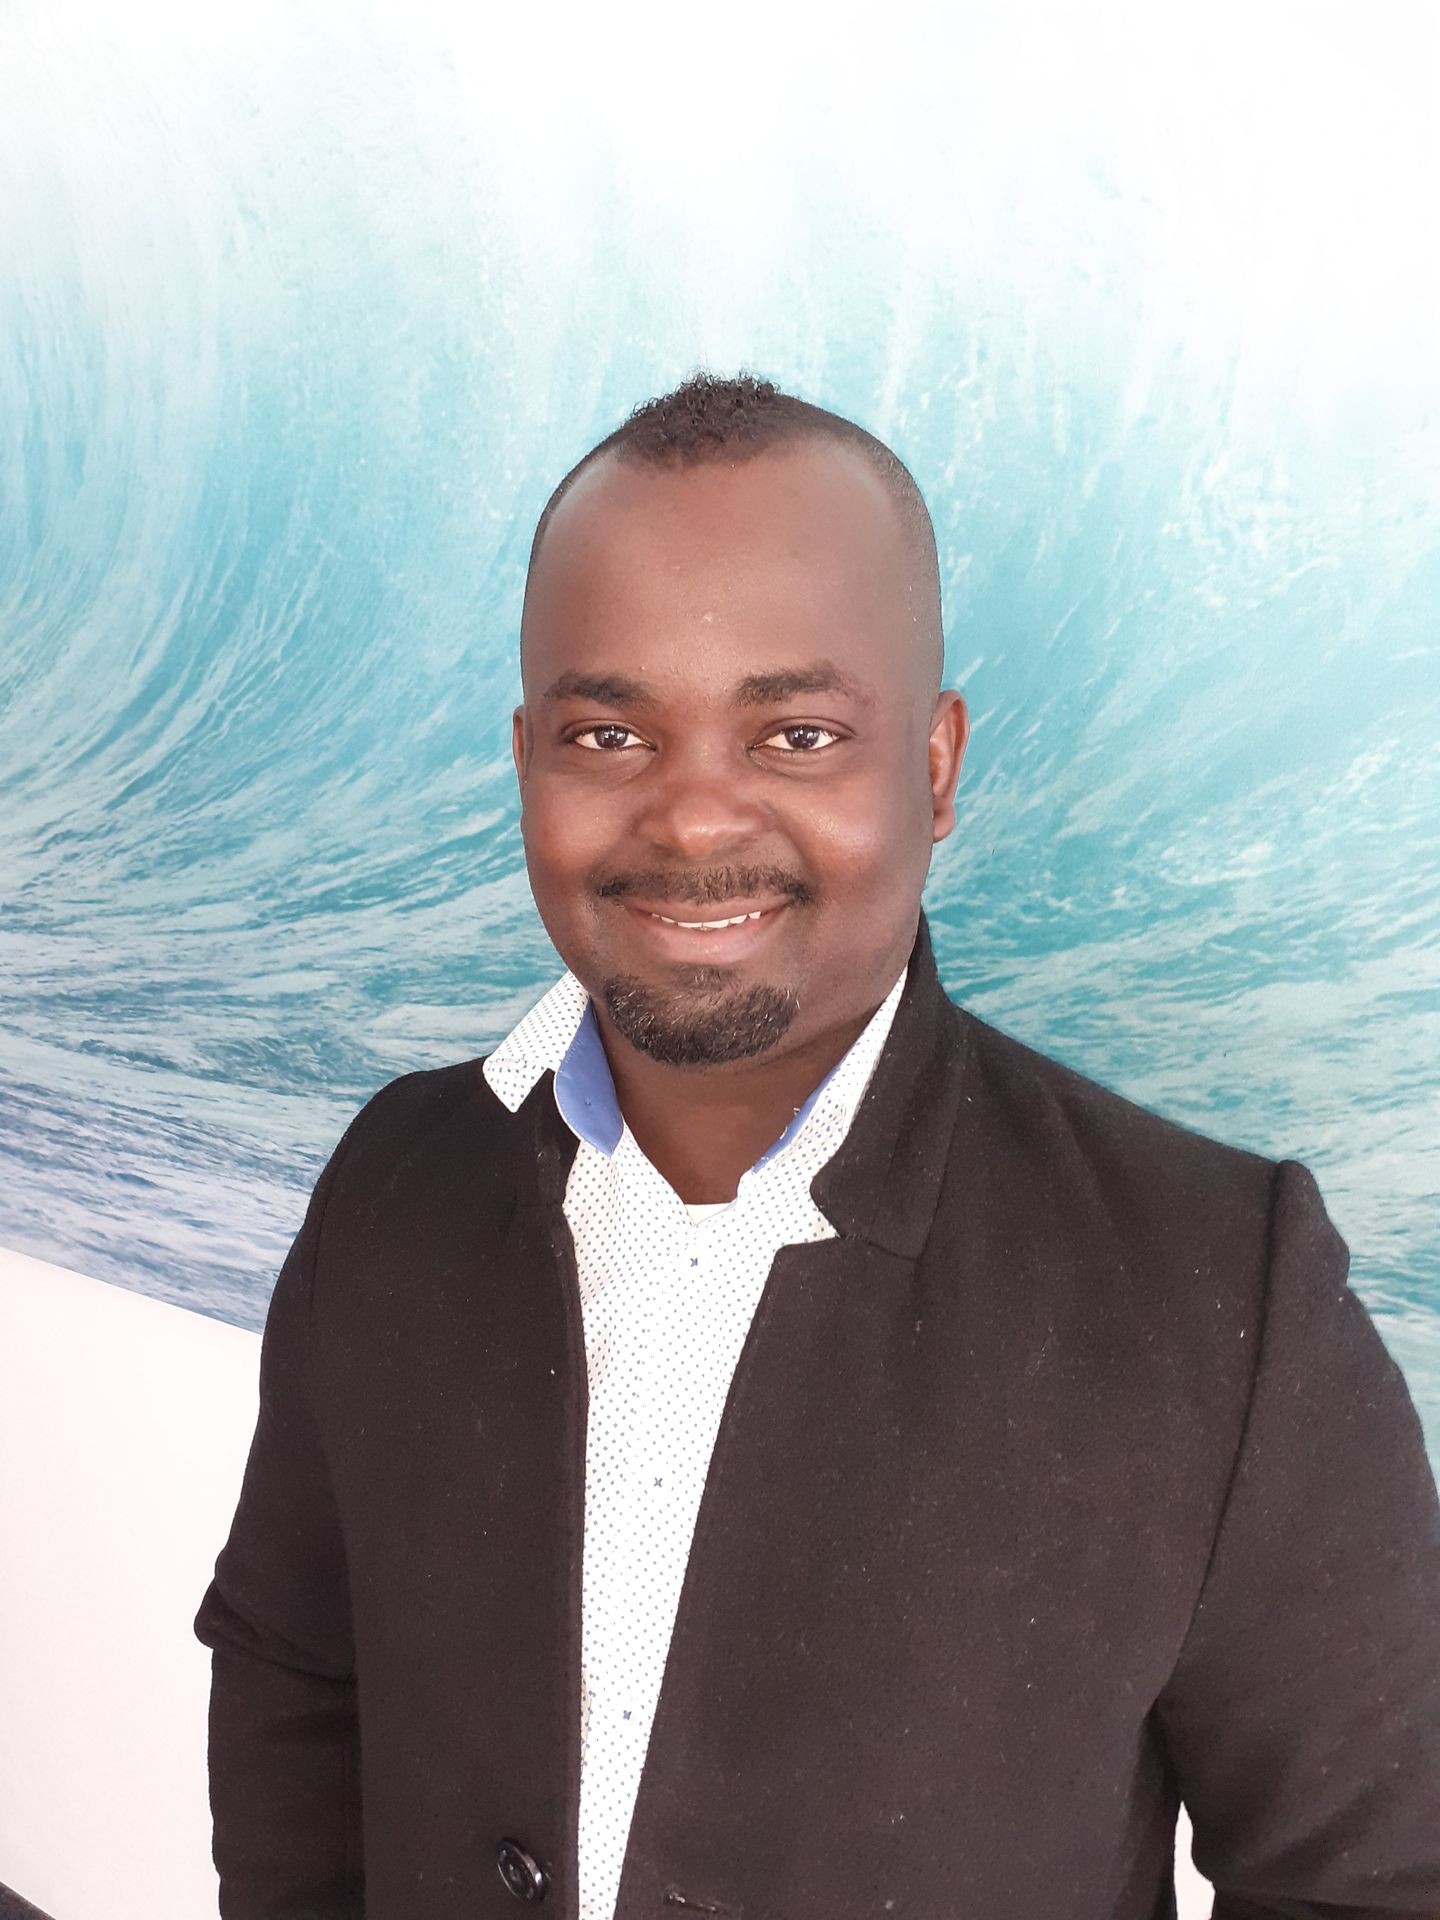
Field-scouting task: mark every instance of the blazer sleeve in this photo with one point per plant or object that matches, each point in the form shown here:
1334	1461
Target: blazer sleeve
283	1736
1302	1716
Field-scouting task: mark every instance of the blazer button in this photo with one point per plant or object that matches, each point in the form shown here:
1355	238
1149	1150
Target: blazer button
521	1874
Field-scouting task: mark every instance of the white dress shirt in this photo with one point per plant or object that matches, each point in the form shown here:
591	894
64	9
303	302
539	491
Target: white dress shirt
667	1293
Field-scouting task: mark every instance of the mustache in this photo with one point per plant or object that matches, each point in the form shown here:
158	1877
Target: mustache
708	887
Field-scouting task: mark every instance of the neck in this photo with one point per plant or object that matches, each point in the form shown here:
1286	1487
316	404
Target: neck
702	1127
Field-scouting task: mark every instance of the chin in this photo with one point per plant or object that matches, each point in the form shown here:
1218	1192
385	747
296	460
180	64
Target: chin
700	1021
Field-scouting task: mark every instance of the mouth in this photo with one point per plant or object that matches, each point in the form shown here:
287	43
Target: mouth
707	926
729	929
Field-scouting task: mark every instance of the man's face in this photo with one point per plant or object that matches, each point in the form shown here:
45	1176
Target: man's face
729	711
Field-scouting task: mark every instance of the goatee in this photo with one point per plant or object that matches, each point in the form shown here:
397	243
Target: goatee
700	1025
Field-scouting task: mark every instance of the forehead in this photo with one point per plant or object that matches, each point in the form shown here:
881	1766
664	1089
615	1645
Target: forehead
734	566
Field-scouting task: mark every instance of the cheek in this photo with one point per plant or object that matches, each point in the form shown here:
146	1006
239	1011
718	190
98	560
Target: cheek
562	829
558	853
875	845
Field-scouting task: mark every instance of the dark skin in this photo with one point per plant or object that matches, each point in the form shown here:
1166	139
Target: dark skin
730	682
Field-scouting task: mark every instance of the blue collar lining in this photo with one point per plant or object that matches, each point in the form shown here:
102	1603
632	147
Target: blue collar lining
585	1094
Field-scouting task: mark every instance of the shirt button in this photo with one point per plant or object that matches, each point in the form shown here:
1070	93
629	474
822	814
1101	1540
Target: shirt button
521	1874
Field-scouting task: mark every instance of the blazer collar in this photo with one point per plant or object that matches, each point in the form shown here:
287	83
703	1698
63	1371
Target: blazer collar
883	1183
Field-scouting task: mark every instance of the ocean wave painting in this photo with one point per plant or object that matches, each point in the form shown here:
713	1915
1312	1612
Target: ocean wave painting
305	309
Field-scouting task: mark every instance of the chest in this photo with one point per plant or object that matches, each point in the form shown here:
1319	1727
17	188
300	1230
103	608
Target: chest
947	1532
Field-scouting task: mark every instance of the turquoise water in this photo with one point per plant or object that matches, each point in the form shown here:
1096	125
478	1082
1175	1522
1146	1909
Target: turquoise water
290	363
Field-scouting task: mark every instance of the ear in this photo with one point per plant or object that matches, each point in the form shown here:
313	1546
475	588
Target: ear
949	733
517	744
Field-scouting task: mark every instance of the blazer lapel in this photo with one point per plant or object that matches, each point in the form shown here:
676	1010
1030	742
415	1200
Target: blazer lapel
883	1184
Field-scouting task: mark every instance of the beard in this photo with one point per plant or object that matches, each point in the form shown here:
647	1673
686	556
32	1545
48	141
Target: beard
699	1023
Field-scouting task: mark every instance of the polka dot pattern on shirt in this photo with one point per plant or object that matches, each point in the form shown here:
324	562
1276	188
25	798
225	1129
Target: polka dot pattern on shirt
668	1293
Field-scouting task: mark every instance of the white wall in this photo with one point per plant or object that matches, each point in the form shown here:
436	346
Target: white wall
124	1425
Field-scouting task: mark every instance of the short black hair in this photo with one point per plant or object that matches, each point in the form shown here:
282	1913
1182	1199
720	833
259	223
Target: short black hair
709	418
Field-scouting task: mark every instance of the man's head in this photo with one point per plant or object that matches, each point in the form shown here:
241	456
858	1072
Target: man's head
731	651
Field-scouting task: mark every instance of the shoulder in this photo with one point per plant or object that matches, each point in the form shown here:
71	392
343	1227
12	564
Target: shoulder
432	1127
429	1095
415	1104
1043	1094
1080	1144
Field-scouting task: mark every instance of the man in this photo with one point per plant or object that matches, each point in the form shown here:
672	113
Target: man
764	1442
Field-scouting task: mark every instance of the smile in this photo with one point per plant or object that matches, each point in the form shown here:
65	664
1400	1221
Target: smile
728	937
707	926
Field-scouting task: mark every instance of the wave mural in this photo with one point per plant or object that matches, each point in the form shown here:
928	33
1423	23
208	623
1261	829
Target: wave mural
302	316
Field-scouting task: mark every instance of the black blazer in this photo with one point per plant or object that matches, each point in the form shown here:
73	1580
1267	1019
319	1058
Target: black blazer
1069	1482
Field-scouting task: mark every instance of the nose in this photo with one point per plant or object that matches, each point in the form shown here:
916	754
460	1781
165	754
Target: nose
699	801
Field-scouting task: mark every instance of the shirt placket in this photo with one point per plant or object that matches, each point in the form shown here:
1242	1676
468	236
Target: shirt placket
623	1576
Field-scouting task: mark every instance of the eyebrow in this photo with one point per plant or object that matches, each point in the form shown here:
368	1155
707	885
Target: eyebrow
610	689
755	690
763	689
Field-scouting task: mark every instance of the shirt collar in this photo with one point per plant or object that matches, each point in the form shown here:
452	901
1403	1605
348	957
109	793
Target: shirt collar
560	1035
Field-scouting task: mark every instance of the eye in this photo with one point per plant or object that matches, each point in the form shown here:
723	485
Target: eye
802	737
609	737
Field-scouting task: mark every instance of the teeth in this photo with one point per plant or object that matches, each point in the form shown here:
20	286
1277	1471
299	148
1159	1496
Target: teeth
709	926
